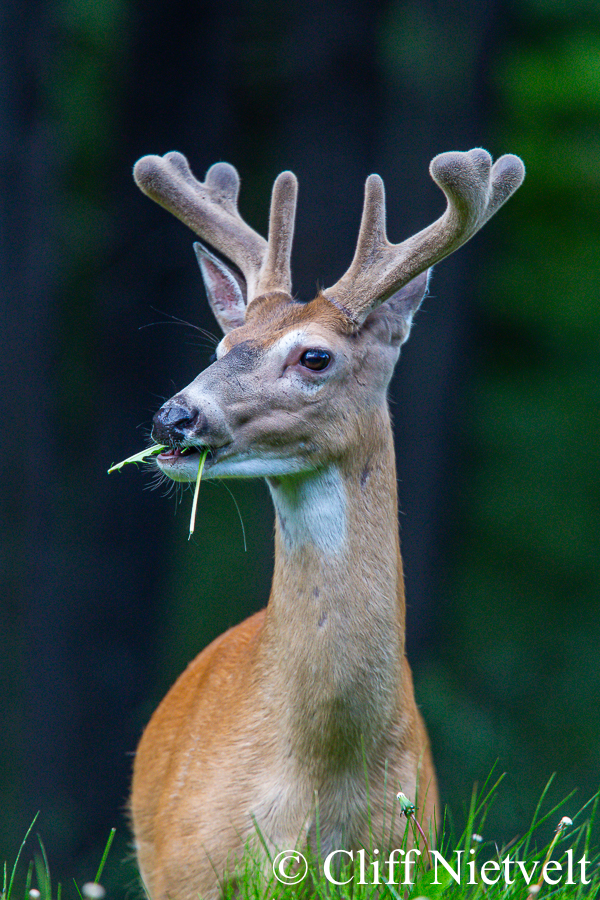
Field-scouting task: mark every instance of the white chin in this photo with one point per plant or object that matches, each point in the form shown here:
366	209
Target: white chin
185	469
182	469
255	467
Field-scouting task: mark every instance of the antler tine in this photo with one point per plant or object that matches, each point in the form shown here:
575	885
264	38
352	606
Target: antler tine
276	271
209	208
355	288
474	190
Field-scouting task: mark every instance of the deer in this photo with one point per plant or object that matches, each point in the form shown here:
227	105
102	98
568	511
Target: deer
300	724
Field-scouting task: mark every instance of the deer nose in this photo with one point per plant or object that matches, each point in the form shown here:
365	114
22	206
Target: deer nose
170	421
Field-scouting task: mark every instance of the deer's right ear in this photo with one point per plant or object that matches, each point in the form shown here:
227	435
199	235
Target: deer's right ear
226	289
392	320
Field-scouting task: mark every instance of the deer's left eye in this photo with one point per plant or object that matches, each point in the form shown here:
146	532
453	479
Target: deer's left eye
316	360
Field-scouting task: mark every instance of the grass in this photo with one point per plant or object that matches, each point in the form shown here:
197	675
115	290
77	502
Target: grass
197	491
141	457
470	867
37	883
145	455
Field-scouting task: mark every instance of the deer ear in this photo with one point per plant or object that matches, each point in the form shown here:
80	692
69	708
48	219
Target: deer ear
392	321
226	289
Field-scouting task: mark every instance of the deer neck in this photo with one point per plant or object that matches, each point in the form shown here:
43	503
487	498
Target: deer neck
334	628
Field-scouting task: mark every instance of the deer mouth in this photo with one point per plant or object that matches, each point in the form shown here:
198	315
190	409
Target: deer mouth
181	463
172	454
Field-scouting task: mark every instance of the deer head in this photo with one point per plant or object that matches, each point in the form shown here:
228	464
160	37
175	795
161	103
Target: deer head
294	385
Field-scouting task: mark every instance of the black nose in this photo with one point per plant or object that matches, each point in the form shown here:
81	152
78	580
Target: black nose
170	421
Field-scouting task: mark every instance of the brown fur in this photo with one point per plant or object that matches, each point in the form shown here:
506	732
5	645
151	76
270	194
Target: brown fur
309	701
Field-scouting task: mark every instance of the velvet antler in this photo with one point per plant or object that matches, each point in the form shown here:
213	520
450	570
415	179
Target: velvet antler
474	189
209	208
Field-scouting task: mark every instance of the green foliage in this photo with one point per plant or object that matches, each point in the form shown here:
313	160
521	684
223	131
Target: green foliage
83	89
524	682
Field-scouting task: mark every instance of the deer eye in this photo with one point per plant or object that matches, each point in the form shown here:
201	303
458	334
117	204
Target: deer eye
316	360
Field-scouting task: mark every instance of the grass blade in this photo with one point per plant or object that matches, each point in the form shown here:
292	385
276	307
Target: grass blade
14	868
197	491
111	838
140	457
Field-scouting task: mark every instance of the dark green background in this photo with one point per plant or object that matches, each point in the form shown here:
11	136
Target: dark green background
495	402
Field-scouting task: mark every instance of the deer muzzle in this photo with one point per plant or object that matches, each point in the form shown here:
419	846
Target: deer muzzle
191	422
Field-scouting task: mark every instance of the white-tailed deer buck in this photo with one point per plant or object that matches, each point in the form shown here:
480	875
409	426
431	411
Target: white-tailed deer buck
304	713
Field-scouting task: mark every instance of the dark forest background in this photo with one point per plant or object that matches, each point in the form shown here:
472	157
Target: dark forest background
496	399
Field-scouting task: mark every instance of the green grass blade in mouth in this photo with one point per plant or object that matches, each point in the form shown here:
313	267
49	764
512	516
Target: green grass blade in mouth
203	455
142	456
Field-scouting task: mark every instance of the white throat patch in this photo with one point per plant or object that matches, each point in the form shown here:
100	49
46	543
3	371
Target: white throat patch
312	510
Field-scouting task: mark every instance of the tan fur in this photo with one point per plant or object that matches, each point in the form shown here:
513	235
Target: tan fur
289	708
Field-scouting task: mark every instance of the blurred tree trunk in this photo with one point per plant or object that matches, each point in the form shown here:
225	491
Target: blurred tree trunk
75	596
27	404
